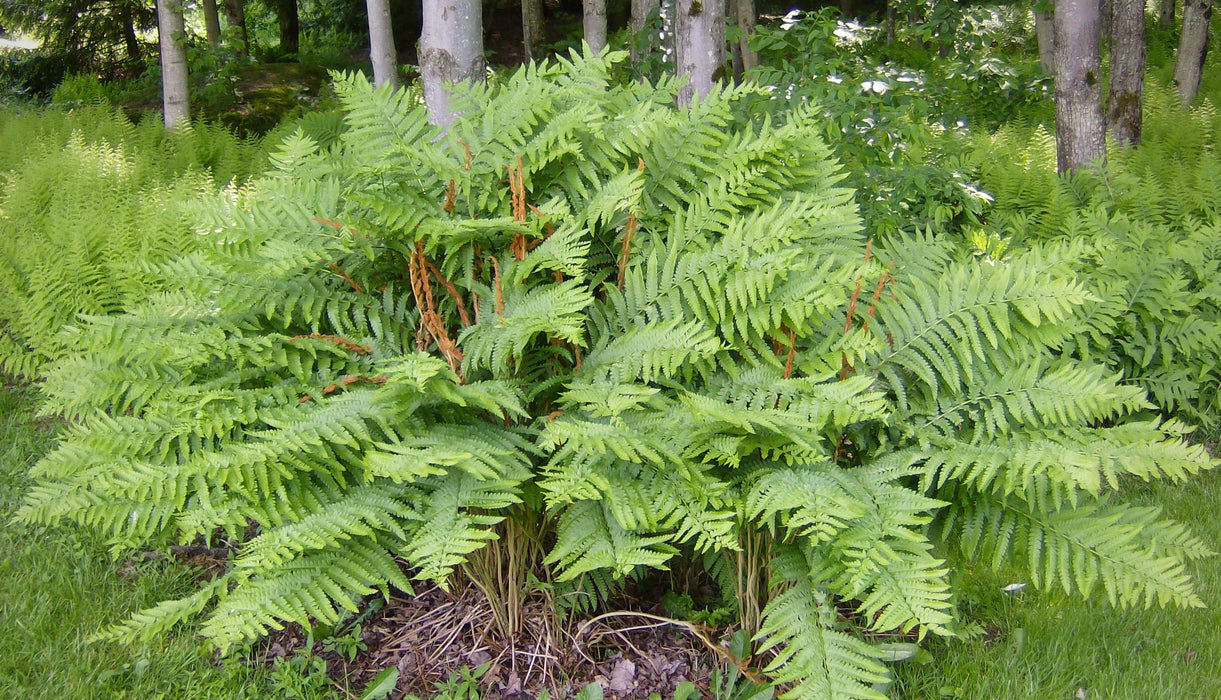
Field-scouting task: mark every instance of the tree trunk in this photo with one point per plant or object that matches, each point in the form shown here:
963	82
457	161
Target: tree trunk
1127	71
846	8
381	44
211	24
1165	16
595	24
735	47
235	15
699	46
451	50
289	20
642	46
890	22
532	28
1080	130
1045	30
172	32
1193	47
1106	11
746	17
134	54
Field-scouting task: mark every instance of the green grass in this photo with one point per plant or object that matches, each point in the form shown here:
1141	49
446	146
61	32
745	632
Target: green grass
58	586
1047	646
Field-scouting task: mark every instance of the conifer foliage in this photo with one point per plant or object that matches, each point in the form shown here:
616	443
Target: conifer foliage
658	327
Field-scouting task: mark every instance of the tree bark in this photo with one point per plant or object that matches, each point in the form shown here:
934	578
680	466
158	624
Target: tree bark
171	30
1193	47
642	46
532	28
451	50
1080	130
1165	15
381	44
235	15
289	21
595	24
1106	11
746	16
132	42
891	19
211	24
1126	92
699	46
1045	31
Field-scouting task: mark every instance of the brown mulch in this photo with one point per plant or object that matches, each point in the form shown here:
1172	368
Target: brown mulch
432	635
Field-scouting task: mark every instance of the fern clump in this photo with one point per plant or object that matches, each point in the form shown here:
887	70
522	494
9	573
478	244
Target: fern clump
657	330
88	201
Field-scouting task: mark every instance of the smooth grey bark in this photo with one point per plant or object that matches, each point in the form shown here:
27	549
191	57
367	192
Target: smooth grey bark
1126	93
1165	15
171	30
641	10
699	46
235	15
451	50
594	24
381	44
532	28
211	24
1045	31
1193	47
746	17
1080	129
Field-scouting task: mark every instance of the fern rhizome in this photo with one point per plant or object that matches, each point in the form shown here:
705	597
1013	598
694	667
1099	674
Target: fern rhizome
649	332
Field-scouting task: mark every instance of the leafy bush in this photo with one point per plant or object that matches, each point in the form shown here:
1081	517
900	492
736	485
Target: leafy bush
90	201
650	333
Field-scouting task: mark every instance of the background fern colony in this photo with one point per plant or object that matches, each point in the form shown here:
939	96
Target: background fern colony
657	329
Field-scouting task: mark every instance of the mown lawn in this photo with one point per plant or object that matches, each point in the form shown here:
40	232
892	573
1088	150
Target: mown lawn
58	586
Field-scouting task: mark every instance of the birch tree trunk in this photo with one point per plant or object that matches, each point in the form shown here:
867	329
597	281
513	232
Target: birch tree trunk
642	46
171	30
1045	31
451	50
1080	130
235	15
1126	93
532	28
1193	47
699	46
381	44
595	24
1165	16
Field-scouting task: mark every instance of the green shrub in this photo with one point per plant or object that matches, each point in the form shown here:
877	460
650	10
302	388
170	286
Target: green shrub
644	332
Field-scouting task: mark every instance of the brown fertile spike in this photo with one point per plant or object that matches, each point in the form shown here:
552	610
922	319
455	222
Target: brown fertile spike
629	233
349	280
337	340
788	363
500	299
453	292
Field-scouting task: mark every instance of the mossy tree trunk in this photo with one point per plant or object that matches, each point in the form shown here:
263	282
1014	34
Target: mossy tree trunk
451	50
699	46
171	31
1080	129
1127	71
1193	47
381	43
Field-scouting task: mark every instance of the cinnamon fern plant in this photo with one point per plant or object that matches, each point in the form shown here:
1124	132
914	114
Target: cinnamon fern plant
654	333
